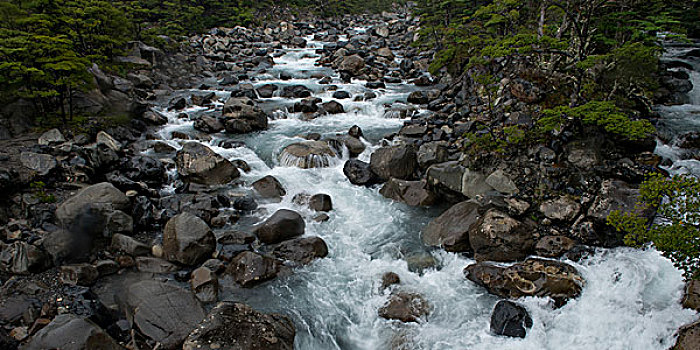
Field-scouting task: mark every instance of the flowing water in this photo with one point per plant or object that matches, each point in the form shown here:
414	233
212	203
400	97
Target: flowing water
631	299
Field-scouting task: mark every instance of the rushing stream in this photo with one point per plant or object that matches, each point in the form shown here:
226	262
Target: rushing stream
630	301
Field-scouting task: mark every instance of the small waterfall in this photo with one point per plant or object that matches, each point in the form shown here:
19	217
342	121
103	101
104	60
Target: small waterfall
308	154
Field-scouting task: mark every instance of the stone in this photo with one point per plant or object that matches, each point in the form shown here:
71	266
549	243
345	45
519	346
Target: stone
554	246
106	140
241	115
208	124
496	236
187	239
399	162
79	275
307	105
386	53
688	337
413	193
359	172
71	332
269	187
267	90
238	326
451	229
205	284
321	202
41	164
333	107
501	183
307	154
162	312
301	251
525	91
22	258
250	269
52	137
352	64
691	297
431	153
614	195
199	164
155	265
284	224
562	208
355	131
532	277
296	91
389	279
405	307
510	319
128	245
90	210
456	178
341	95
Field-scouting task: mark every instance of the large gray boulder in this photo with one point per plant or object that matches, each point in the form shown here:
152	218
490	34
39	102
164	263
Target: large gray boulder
199	164
39	163
162	312
250	269
413	193
352	64
456	178
71	332
187	239
451	229
96	210
394	161
238	326
241	115
284	224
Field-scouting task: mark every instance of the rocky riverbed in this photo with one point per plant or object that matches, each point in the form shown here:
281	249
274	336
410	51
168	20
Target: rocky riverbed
304	185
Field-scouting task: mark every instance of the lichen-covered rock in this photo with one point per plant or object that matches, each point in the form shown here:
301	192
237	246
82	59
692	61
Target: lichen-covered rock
199	164
496	236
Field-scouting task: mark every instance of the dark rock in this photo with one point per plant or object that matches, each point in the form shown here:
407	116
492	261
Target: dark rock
79	275
295	91
389	279
241	115
691	297
341	95
333	107
321	202
352	64
187	239
451	229
359	172
128	245
267	90
199	164
245	204
307	154
553	246
414	193
301	251
238	326
688	337
394	161
496	236
22	258
282	225
269	187
249	269
525	91
307	105
510	319
355	131
208	124
205	284
71	332
405	307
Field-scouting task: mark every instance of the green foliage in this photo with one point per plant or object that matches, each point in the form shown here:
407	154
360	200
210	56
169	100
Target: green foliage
39	188
603	114
677	234
488	140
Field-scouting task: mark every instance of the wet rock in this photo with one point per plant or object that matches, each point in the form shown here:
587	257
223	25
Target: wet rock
282	225
187	239
341	95
241	165
562	208
532	277
208	124
296	91
301	251
307	154
205	284
249	269
245	204
501	182
307	105
71	332
510	319
359	172
52	137
333	107
163	312
688	337
267	90
414	193
144	168
389	279
321	218
199	164
79	275
155	265
238	326
496	236
352	64
40	164
691	297
553	246
128	245
405	307
399	162
269	187
451	229
355	131
321	202
241	116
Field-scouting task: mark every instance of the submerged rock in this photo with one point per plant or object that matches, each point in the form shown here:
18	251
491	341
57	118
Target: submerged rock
510	319
238	326
405	307
308	154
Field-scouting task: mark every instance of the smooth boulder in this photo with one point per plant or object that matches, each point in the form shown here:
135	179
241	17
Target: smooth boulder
510	319
71	332
394	161
359	172
250	269
284	224
301	251
199	164
187	239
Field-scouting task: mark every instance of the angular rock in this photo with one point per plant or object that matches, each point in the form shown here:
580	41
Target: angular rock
352	64
688	337
691	297
208	124
301	251
187	239
553	246
22	258
249	269
267	90
163	312
431	153
414	193
510	319
205	284
562	208
238	326
501	182
389	279
241	115
129	245
199	164
79	275
321	202
71	332
269	187
41	164
405	307
532	277
52	137
498	237
284	224
90	210
451	229
614	195
394	161
359	172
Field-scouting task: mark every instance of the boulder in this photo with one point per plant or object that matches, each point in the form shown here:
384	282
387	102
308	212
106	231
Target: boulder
321	202
359	172
614	195
40	164
394	161
205	284
144	168
354	145
249	269
269	187
208	124
22	258
554	246
405	307
71	332
199	164
456	178
307	154
96	210
301	251
341	95
510	319
267	90
688	337
187	239
496	236
333	107
52	137
532	277
241	115
352	64
296	91
162	312
562	208
431	153
389	279
501	183
691	297
237	326
79	275
414	193
451	229
128	245
307	105
284	224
